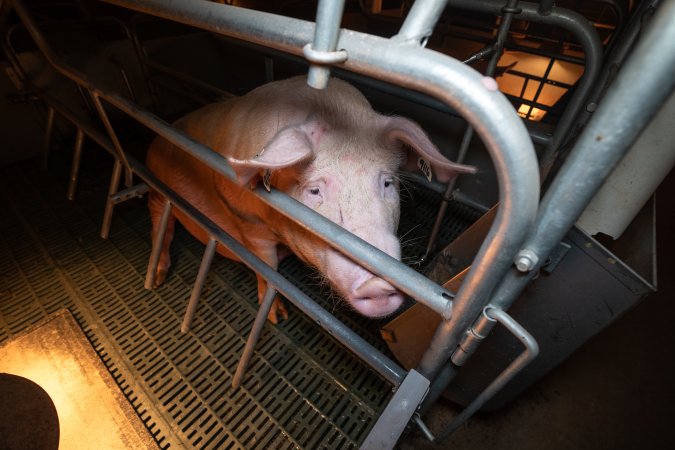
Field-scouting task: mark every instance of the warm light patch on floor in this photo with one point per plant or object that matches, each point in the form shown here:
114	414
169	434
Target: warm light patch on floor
93	413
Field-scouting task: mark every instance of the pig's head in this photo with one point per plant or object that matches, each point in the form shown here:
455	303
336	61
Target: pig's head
348	175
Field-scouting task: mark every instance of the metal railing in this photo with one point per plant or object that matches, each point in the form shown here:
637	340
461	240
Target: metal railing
404	61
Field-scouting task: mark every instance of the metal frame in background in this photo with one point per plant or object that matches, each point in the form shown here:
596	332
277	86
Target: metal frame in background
607	137
456	84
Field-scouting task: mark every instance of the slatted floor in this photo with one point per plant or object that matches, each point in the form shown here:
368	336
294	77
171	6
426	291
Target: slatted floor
302	390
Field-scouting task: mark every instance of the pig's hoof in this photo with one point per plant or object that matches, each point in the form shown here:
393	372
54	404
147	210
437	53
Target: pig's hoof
277	311
160	278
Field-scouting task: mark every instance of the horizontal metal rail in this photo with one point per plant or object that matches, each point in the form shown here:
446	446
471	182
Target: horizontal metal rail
388	369
473	96
470	94
380	363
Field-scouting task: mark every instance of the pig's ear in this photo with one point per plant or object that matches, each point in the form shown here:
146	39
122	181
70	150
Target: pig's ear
424	156
290	146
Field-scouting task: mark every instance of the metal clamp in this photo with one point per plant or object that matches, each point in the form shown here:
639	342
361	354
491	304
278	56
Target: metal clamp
325	58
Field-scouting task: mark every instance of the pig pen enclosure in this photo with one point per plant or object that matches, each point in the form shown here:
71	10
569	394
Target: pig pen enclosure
489	265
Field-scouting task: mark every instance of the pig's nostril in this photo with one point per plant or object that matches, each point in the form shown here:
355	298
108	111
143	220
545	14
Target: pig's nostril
375	289
376	298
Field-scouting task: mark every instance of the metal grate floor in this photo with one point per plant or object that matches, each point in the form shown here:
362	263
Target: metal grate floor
302	389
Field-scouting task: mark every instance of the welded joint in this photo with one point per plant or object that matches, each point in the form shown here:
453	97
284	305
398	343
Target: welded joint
526	260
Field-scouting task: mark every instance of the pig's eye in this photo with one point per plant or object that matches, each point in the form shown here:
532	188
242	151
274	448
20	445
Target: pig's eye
388	182
314	191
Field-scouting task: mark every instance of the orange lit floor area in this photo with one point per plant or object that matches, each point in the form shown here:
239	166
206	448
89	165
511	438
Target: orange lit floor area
302	389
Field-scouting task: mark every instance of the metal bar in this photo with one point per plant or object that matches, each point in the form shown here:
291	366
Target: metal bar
395	417
75	166
256	329
328	17
110	204
204	267
476	98
157	244
420	21
120	154
611	131
459	86
47	141
125	78
613	62
497	50
530	353
606	138
584	32
384	366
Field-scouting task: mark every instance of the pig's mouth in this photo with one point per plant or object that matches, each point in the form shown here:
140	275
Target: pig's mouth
375	298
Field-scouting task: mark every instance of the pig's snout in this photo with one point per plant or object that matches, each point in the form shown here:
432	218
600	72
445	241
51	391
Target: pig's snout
375	298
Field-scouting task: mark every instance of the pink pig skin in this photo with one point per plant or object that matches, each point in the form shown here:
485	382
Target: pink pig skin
327	149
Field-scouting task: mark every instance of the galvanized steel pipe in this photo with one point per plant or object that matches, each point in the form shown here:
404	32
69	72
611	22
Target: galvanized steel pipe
473	96
568	20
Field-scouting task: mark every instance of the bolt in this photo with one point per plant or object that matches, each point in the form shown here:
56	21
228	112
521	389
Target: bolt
526	260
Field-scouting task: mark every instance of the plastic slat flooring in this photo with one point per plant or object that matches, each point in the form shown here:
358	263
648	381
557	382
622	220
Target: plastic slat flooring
302	389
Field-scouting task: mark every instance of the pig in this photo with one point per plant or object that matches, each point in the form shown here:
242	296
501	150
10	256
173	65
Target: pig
325	148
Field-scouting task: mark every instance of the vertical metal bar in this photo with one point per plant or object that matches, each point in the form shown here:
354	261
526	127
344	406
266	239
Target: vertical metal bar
328	17
46	143
110	204
497	50
607	137
157	244
121	156
199	285
447	195
75	166
420	21
125	79
583	31
253	337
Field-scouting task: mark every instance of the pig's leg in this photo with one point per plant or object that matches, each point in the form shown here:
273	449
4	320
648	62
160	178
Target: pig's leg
278	309
156	205
268	253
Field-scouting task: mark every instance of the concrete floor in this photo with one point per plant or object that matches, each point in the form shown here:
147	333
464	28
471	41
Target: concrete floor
617	392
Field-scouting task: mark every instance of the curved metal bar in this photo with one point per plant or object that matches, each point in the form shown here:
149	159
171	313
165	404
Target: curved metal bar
472	95
490	316
585	34
611	131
